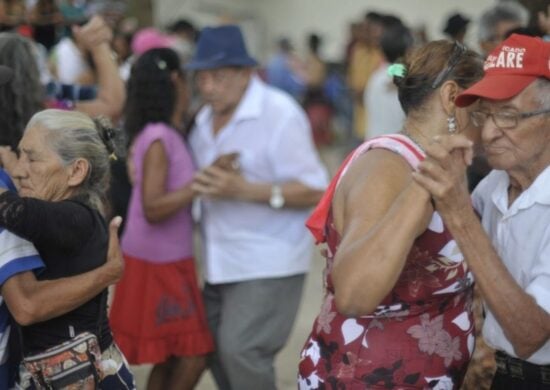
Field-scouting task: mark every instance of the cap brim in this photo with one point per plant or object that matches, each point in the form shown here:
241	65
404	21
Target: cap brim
494	87
6	74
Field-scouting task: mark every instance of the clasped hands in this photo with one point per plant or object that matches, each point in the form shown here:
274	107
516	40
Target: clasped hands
443	172
217	182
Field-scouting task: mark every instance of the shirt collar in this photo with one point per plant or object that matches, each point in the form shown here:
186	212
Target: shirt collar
536	193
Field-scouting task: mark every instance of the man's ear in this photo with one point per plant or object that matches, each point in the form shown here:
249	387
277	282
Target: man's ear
78	172
448	93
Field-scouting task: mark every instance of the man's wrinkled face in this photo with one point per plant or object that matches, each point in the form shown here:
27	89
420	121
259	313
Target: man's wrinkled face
222	88
521	146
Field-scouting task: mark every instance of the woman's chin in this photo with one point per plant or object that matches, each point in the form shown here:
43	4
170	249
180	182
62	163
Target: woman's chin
23	191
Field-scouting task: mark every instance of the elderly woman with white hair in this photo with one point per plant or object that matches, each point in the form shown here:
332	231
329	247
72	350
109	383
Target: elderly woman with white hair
63	172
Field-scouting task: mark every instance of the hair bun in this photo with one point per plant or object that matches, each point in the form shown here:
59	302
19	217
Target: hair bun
398	72
107	133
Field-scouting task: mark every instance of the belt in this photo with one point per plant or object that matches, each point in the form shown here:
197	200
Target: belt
521	369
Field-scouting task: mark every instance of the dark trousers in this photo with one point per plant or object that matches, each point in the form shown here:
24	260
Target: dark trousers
517	374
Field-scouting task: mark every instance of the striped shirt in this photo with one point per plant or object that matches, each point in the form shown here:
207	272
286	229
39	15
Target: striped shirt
16	255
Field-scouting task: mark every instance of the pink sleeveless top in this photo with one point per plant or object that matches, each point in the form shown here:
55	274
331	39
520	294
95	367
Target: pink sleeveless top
421	335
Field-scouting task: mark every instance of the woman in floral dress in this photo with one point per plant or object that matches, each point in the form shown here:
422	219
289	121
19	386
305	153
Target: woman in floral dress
397	310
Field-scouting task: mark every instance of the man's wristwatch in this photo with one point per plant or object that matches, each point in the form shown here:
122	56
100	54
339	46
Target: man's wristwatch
277	200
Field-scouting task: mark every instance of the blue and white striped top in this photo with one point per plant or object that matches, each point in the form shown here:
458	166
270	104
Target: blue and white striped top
16	255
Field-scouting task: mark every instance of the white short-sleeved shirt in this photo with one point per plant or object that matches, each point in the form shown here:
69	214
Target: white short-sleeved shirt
381	102
69	61
246	240
521	236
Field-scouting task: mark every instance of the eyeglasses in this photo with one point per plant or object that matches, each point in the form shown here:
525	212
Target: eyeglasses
504	120
458	50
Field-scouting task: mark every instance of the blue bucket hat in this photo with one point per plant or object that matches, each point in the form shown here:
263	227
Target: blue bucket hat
219	47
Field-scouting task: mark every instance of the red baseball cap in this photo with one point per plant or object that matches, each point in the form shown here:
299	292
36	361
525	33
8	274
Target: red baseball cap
509	69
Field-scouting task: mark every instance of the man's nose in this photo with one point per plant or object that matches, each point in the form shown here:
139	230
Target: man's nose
207	84
490	130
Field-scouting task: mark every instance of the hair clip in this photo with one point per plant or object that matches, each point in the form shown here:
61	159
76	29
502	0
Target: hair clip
109	134
161	64
397	70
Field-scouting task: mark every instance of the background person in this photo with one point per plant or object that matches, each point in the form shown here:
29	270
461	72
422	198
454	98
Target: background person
456	27
380	97
165	323
256	250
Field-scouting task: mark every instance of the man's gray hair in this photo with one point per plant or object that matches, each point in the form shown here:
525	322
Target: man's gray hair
73	135
509	11
543	92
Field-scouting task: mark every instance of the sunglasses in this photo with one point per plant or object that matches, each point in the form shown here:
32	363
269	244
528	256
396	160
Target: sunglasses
458	51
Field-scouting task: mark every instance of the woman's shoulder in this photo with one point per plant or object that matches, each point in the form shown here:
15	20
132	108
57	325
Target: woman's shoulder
157	131
384	152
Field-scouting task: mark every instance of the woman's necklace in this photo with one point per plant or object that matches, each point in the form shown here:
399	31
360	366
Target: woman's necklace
414	140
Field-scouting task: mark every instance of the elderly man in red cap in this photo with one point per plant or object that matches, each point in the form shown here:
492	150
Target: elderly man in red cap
504	229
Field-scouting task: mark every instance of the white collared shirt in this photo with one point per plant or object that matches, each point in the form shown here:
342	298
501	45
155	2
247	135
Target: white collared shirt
521	236
245	240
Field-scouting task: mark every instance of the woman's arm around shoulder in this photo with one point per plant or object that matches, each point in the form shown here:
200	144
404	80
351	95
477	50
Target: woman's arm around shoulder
31	301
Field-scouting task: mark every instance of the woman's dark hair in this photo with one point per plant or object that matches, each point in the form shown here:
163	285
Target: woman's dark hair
430	65
314	42
151	92
395	42
24	94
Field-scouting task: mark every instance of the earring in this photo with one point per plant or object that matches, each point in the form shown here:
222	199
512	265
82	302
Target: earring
451	124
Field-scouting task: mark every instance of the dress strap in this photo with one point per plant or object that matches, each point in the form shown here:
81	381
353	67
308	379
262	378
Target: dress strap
397	143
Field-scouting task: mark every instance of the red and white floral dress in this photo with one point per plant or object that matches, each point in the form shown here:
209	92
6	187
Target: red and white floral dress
422	334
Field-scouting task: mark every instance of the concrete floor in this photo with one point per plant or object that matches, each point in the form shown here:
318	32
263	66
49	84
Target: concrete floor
286	364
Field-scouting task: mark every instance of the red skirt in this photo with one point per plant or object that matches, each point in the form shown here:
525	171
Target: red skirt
157	312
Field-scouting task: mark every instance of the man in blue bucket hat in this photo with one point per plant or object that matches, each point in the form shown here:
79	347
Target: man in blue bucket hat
259	175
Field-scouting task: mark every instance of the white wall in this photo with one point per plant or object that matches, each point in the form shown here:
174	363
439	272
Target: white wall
266	20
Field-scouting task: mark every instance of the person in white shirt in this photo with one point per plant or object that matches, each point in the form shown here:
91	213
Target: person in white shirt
380	98
508	251
260	174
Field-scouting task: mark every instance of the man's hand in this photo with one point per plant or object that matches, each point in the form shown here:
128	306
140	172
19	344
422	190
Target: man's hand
217	182
115	262
443	172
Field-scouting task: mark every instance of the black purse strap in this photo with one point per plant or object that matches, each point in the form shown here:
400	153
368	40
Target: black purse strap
102	311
